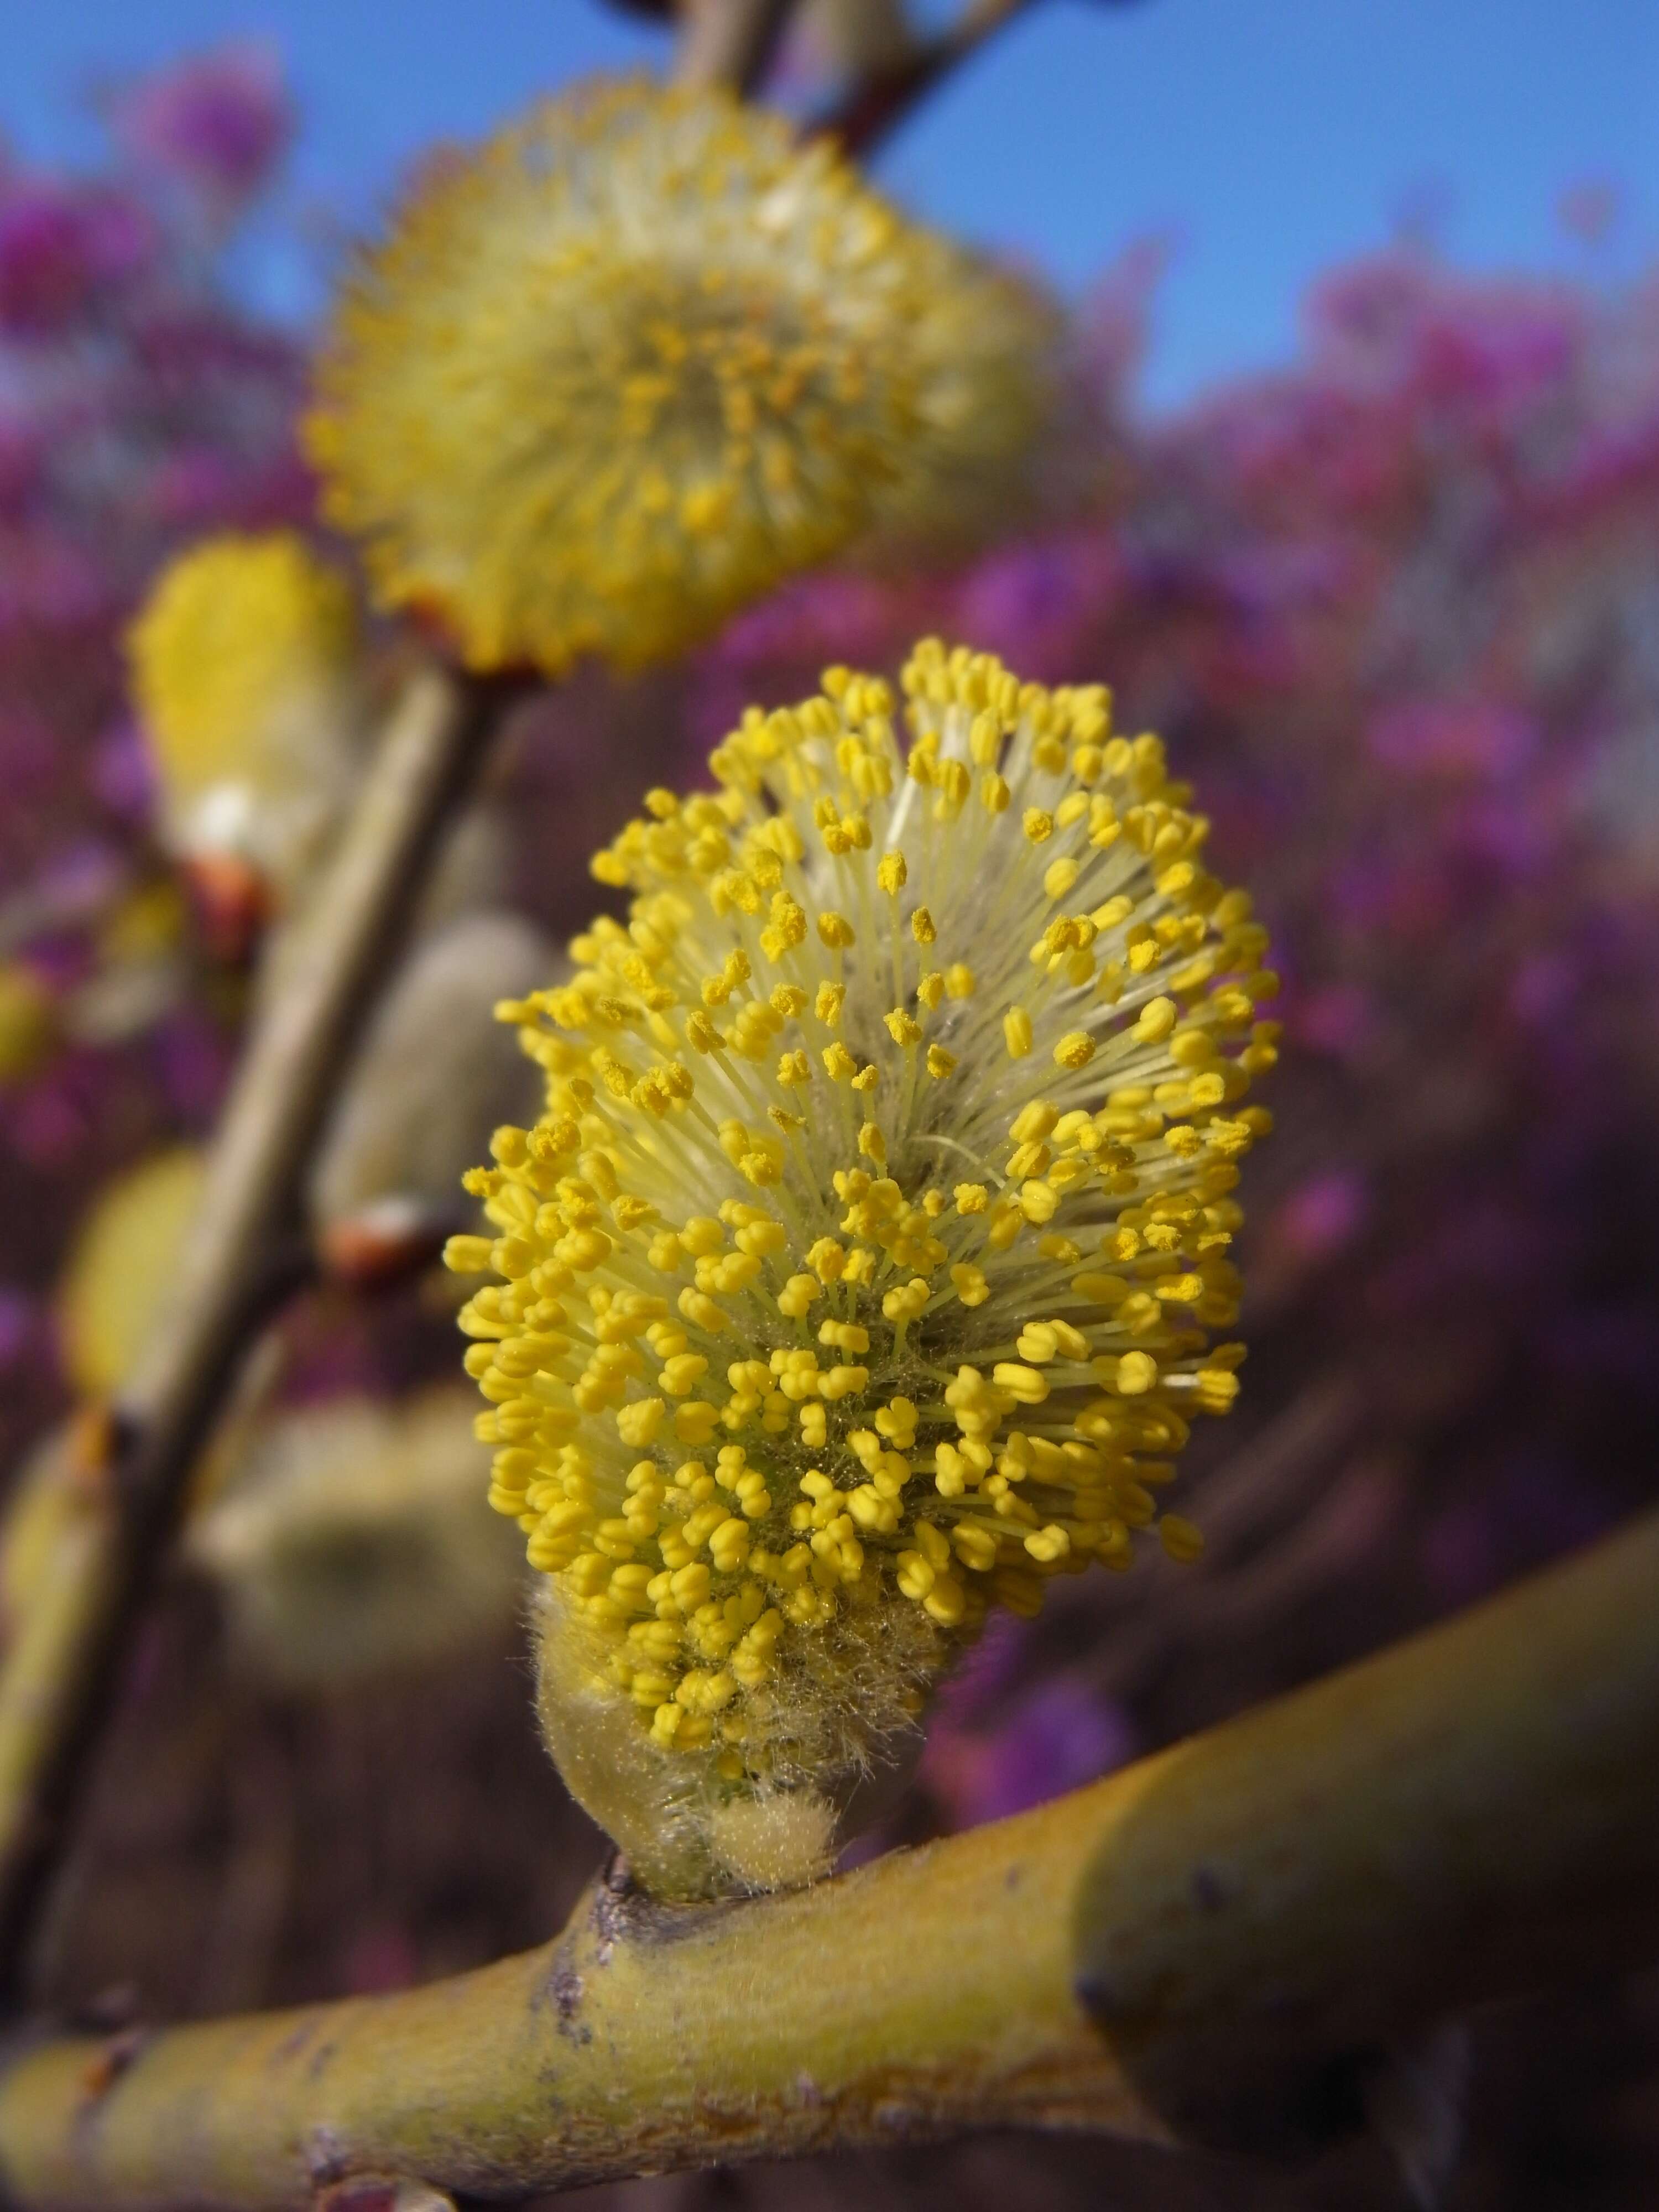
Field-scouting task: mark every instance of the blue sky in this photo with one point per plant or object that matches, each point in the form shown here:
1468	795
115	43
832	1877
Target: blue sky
1268	138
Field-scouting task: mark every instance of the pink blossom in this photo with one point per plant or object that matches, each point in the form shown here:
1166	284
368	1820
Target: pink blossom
219	122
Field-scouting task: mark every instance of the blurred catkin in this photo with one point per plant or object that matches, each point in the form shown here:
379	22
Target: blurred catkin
243	660
638	359
352	1542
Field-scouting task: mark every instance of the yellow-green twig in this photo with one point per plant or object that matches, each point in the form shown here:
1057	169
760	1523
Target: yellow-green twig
1213	1946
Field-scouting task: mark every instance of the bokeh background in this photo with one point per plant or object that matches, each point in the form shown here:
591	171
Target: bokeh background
1362	512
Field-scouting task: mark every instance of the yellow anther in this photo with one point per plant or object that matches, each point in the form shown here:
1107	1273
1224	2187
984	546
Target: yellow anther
786	928
1137	1373
903	1302
1038	1201
1035	1122
638	1423
1048	1544
1024	1383
984	739
946	1602
1043	1341
1182	1539
914	1575
844	1336
953	784
828	1260
681	1374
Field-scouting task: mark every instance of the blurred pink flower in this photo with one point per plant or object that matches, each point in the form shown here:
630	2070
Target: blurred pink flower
219	122
1055	1738
59	247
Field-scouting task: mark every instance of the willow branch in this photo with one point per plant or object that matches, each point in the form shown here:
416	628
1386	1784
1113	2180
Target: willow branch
59	1675
729	42
875	106
1215	1946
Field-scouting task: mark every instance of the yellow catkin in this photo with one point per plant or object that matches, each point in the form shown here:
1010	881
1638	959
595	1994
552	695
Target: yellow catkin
122	1266
26	1021
637	358
240	659
350	1542
805	1349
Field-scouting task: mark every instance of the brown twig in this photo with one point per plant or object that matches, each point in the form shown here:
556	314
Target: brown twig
59	1680
1218	1945
729	42
878	105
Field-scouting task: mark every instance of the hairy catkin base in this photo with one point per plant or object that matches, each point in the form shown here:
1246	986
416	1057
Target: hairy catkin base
844	1740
